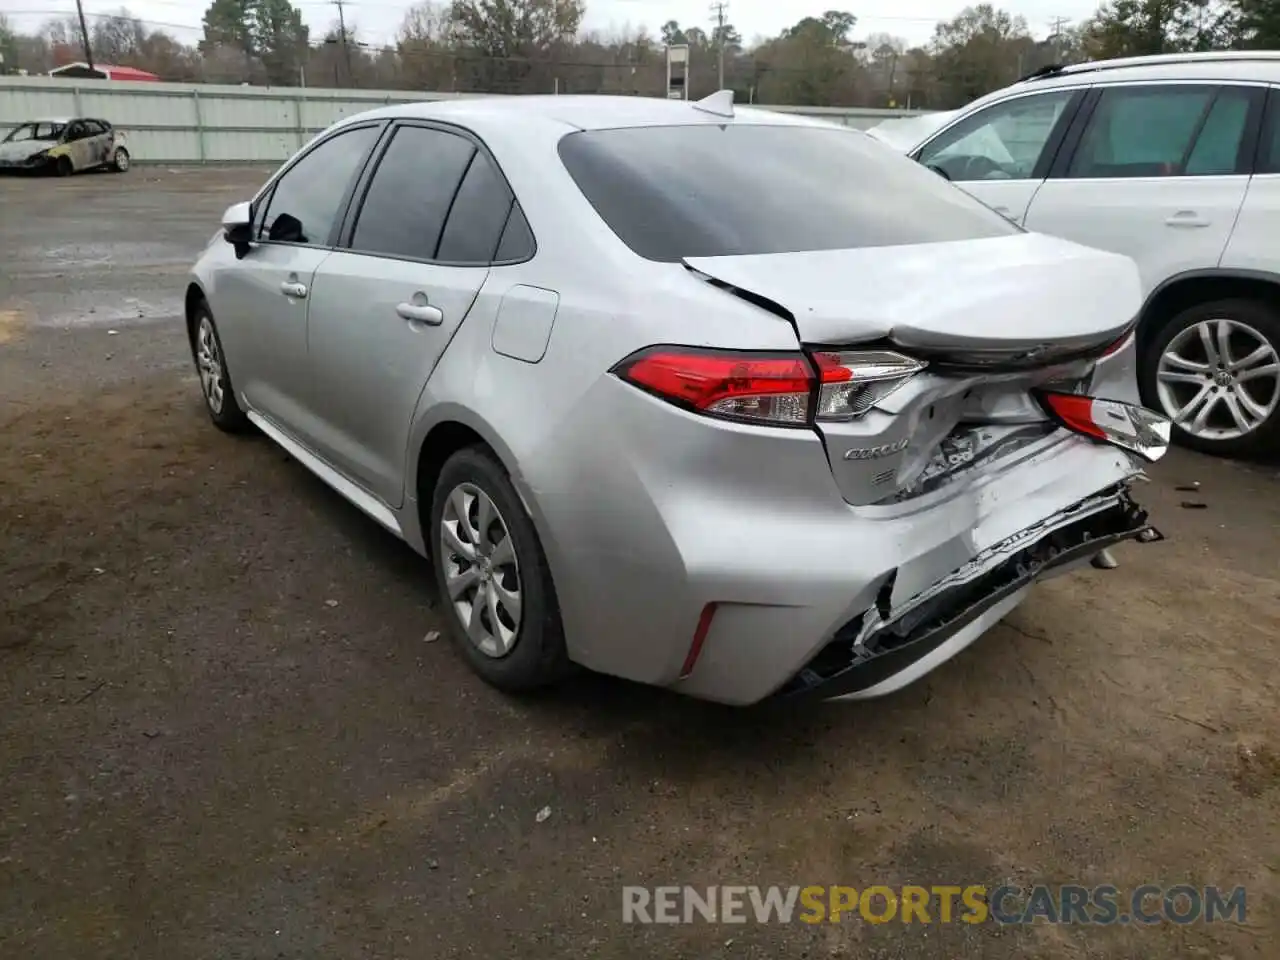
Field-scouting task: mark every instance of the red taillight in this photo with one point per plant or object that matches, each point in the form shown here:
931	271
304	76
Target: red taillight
1119	344
1125	425
772	388
1074	412
781	389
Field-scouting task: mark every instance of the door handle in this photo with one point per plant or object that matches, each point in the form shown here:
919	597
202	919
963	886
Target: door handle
292	288
420	313
1186	218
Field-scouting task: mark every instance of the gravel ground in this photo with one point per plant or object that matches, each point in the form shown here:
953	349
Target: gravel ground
225	735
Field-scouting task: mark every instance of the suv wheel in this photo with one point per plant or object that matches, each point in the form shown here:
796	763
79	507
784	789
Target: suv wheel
492	577
120	160
1215	370
211	365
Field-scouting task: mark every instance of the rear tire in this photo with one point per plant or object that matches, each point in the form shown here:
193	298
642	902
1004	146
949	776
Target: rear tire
64	167
211	366
1184	369
485	553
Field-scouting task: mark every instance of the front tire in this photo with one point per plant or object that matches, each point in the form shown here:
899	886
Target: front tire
64	167
1214	369
120	160
492	576
211	365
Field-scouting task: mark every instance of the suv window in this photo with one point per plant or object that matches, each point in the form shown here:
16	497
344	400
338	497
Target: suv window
1002	142
1162	131
411	192
93	128
304	203
478	215
707	190
1269	154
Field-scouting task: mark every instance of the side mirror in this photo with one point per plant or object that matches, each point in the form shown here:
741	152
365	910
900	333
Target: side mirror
237	227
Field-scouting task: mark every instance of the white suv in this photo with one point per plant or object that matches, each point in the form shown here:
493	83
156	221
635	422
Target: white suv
1175	161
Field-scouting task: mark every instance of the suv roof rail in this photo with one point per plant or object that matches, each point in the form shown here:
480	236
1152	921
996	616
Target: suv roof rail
1048	70
1155	60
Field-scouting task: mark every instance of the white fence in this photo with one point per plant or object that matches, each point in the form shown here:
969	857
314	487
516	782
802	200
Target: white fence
206	123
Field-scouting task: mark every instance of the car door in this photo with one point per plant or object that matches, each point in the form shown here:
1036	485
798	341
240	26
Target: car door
1253	245
1001	153
97	143
417	249
76	141
1156	171
261	300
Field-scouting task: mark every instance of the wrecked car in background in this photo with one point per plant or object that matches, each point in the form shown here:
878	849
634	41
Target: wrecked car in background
64	147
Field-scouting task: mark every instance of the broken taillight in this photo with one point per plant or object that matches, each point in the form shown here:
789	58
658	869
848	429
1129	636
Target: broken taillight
778	389
853	382
1125	425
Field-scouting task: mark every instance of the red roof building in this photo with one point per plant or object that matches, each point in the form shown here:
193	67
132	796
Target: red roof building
103	71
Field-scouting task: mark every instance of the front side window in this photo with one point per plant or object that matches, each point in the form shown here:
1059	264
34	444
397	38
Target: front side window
1002	142
1165	130
707	190
405	207
304	204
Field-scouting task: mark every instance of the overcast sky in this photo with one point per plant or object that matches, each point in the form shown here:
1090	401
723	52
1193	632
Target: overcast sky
377	19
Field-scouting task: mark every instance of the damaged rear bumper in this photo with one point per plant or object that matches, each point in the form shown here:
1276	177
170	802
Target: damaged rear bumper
884	649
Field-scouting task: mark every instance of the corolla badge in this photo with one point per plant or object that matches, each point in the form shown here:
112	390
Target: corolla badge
875	453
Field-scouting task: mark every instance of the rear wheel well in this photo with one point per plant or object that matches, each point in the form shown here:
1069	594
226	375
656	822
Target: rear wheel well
1183	294
444	440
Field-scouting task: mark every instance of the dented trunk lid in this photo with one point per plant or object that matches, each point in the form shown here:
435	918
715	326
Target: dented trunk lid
994	319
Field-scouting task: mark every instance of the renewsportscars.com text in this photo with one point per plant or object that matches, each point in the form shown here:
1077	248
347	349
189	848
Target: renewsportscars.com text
976	903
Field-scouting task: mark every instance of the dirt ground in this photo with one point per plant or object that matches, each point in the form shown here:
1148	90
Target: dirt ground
223	735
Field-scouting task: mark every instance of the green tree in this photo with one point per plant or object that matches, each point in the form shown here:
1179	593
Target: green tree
981	49
281	39
672	34
230	23
1252	24
8	46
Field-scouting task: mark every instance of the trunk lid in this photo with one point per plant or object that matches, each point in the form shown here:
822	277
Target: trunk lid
1004	294
993	319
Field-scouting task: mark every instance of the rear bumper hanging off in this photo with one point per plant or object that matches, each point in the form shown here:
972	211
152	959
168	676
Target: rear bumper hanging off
880	643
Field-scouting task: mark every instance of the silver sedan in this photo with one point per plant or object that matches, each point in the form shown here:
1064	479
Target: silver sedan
736	403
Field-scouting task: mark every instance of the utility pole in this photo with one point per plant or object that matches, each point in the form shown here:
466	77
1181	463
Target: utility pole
1055	37
342	25
718	9
84	35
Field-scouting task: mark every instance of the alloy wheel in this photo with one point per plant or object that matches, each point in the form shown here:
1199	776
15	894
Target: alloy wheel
1219	379
209	362
481	572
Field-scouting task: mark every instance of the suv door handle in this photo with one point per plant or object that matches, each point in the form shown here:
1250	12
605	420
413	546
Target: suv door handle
420	313
1186	218
292	288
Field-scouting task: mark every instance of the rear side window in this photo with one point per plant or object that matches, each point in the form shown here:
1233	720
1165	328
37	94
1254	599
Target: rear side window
478	215
1269	151
517	239
706	190
411	192
1162	131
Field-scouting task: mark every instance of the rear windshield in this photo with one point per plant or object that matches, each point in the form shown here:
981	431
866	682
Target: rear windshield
711	190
